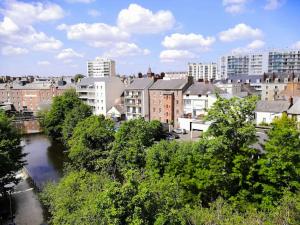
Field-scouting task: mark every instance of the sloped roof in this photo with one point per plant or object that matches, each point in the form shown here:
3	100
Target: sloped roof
175	84
295	109
201	88
277	106
139	84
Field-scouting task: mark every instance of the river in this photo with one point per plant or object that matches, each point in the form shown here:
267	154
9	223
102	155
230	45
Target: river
45	163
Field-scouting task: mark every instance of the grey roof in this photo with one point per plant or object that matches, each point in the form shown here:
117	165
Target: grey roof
92	80
140	84
201	88
295	109
277	106
175	84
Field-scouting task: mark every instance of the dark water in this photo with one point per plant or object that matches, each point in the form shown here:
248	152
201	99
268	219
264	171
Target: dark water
45	158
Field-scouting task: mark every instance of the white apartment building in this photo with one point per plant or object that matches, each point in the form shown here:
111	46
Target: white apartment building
101	67
287	61
136	98
202	71
100	93
175	75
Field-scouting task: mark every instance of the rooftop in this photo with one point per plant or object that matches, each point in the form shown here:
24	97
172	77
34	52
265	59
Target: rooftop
295	109
92	80
139	84
175	84
201	88
277	106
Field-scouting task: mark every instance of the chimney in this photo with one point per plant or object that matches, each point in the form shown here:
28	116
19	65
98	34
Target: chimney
291	100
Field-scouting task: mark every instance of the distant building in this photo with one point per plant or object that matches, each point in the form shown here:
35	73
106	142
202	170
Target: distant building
166	100
31	97
285	61
101	67
202	71
175	75
136	98
101	93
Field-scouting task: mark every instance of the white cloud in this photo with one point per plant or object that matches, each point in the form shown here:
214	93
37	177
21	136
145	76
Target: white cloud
23	13
240	31
96	34
235	6
80	1
296	45
94	13
254	45
174	55
10	50
137	19
8	26
125	49
188	41
68	53
43	63
274	4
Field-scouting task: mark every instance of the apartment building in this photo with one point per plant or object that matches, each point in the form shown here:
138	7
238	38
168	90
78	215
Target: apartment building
101	93
136	98
31	97
285	61
166	100
202	71
175	75
101	67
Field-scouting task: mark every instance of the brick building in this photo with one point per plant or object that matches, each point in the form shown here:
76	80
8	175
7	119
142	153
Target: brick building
32	96
166	100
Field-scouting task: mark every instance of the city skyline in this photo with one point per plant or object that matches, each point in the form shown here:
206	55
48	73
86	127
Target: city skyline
59	37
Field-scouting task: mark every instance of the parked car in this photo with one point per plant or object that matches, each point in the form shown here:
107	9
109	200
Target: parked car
179	131
171	136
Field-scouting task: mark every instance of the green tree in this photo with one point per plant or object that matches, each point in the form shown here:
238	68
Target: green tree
280	166
91	143
11	156
76	115
132	140
52	121
77	77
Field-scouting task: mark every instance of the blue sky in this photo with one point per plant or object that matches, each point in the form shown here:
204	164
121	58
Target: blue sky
58	37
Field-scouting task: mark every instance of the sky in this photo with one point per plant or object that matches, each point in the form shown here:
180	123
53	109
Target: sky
58	37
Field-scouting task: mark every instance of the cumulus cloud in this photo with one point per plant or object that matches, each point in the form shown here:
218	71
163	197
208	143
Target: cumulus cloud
126	49
188	41
10	50
18	20
95	34
80	1
43	63
235	6
94	13
274	4
254	45
136	19
240	31
68	53
174	55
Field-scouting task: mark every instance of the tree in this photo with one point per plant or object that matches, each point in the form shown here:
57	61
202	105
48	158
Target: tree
129	148
91	142
280	166
11	156
77	77
52	121
76	115
231	158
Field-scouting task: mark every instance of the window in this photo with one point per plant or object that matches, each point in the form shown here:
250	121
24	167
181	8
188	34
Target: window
159	109
177	102
153	109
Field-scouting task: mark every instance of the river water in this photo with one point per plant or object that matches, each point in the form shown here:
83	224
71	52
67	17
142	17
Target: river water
45	163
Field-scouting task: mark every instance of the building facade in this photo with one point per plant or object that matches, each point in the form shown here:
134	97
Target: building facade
166	100
175	75
101	67
202	71
136	98
100	93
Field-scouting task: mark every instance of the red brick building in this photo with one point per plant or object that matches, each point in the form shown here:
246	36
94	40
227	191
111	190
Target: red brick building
166	100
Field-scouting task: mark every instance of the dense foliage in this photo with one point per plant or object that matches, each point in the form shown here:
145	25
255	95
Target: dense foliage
11	156
65	112
131	176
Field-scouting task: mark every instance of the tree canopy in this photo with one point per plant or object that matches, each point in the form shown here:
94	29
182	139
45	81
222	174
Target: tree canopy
11	156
